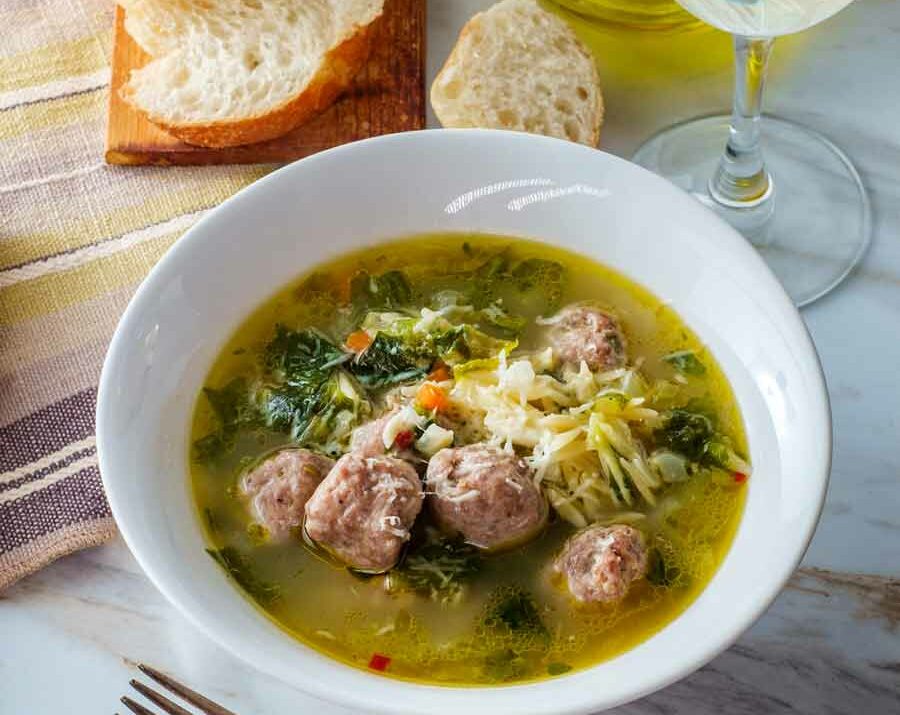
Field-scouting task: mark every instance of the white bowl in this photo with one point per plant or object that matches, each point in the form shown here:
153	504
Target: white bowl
467	180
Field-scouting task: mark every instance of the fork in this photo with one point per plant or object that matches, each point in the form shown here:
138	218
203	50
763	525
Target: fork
203	704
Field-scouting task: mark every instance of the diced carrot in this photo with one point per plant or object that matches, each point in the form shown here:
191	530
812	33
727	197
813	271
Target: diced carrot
439	373
358	341
404	439
432	397
740	477
379	662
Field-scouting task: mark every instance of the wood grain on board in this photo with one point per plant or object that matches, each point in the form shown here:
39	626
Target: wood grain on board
388	96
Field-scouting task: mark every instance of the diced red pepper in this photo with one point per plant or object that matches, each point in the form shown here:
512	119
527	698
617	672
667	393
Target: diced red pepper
379	662
740	477
404	439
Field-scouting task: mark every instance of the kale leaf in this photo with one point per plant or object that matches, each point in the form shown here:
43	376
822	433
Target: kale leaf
389	361
307	390
301	356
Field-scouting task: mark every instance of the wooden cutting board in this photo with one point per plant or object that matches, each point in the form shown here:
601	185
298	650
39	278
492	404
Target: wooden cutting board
388	96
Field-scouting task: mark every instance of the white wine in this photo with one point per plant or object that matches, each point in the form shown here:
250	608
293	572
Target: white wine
763	18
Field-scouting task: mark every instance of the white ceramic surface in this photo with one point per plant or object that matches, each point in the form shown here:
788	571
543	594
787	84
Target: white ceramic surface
585	200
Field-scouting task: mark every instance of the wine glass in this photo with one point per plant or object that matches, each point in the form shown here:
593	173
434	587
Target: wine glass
803	204
643	14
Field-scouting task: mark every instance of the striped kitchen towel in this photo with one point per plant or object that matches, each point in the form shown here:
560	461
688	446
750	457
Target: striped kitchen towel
76	237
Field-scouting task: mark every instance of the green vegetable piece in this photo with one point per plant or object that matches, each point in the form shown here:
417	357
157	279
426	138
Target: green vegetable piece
301	356
465	343
310	390
389	290
389	361
237	567
515	612
233	410
686	432
659	571
504	665
558	668
501	277
718	453
497	321
495	266
686	362
694	435
543	275
439	569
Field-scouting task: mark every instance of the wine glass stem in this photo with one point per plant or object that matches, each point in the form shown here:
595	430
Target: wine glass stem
741	179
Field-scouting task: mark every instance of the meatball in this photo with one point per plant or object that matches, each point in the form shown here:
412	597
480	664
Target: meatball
367	440
583	333
486	495
279	487
601	562
363	510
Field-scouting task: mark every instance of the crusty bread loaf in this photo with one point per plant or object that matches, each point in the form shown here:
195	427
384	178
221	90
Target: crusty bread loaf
518	66
230	72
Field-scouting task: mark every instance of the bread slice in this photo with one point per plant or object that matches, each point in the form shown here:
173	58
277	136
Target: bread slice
517	66
230	72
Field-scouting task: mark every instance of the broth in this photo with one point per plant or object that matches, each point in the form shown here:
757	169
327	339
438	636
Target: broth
511	621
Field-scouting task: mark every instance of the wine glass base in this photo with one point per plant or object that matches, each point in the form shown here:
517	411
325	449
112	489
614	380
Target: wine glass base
818	223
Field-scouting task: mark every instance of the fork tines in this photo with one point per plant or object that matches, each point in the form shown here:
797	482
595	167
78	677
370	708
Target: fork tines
204	704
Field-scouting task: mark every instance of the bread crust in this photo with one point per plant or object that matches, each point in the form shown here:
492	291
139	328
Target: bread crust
339	66
456	58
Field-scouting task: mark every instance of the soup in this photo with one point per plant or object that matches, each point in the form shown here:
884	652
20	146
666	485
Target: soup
468	460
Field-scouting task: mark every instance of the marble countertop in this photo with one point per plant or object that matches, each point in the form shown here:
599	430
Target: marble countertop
71	634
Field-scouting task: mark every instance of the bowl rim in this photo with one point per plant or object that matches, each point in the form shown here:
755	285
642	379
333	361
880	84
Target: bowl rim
585	704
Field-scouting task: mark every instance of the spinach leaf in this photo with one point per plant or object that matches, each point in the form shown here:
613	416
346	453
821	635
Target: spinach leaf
686	362
307	390
440	569
238	568
233	409
558	668
543	275
686	432
535	281
694	435
389	361
659	571
389	290
514	611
